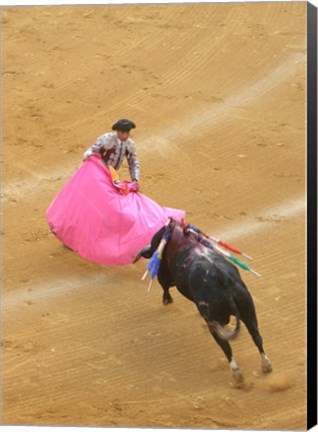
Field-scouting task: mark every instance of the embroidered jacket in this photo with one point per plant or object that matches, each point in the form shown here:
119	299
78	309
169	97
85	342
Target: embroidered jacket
113	153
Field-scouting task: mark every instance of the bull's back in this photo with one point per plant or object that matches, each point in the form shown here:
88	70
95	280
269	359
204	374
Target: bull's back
200	271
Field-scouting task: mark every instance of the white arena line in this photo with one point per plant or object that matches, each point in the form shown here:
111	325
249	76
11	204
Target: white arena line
45	290
245	96
267	218
162	140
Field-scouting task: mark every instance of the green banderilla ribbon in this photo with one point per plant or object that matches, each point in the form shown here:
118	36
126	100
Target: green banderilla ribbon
243	265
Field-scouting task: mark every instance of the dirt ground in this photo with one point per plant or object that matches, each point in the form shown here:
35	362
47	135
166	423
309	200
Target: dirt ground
218	95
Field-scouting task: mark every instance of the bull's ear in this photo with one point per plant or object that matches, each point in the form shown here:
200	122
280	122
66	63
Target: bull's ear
186	231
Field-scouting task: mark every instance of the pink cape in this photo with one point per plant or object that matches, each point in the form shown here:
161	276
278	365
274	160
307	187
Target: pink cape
101	223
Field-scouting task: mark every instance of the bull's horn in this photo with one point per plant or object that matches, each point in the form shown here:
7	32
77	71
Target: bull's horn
137	257
142	253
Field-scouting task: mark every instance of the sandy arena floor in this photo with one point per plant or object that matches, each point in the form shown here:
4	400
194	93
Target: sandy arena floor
218	95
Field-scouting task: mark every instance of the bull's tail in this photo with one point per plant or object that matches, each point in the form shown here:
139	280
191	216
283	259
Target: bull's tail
225	333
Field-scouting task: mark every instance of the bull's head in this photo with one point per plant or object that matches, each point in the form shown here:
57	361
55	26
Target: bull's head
149	250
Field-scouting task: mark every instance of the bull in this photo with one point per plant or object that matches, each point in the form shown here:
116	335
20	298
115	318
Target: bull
213	283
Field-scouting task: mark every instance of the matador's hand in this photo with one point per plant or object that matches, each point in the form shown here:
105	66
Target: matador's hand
136	185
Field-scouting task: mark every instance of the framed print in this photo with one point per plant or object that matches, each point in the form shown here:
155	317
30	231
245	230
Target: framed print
117	119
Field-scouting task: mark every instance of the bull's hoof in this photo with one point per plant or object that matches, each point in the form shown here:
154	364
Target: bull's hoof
238	378
266	366
167	301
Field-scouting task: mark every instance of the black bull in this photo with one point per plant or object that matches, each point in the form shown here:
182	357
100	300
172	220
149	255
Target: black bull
213	283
